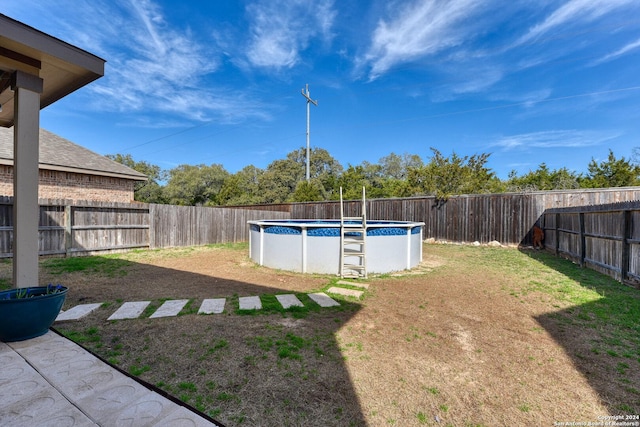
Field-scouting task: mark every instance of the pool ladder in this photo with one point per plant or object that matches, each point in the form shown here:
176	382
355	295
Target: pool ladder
353	242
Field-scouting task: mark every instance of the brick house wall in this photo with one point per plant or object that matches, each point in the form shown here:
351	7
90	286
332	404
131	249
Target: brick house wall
74	186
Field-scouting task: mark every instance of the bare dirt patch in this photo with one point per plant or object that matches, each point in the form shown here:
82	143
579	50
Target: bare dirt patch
202	272
469	340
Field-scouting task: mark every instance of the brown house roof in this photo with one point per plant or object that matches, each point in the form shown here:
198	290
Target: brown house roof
57	153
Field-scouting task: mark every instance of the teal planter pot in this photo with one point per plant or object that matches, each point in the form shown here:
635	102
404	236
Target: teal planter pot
29	312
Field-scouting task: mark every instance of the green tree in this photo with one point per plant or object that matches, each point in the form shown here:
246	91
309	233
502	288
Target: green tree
395	166
394	171
278	182
635	155
195	185
323	168
149	191
242	188
311	191
543	179
445	176
611	173
352	180
368	175
281	178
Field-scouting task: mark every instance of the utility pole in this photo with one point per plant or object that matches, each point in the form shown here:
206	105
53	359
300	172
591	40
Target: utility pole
305	93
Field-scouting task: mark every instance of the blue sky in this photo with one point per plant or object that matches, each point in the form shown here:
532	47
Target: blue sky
204	82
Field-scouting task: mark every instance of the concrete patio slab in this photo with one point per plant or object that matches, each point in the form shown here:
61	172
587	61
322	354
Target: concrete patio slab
129	310
77	312
127	404
250	303
212	306
47	351
355	283
84	378
27	398
153	409
51	381
289	300
18	380
181	417
345	292
169	308
323	300
46	408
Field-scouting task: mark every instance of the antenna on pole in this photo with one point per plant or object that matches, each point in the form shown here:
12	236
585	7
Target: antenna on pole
305	93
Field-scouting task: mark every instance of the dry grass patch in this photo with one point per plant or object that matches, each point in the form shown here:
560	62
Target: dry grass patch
482	336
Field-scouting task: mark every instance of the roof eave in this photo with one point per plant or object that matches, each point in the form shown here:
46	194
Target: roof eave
45	166
63	67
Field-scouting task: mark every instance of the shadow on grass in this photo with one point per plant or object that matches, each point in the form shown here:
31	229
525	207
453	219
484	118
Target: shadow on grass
599	328
274	367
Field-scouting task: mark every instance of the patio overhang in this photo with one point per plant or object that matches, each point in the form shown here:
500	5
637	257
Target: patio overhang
36	70
62	67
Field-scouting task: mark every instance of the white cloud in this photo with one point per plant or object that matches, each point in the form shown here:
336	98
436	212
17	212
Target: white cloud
152	66
613	55
554	139
525	99
418	30
483	79
465	80
282	29
571	11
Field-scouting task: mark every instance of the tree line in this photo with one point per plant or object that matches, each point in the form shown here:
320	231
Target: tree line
395	175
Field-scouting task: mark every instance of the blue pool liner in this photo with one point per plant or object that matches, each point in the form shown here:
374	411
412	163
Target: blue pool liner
334	231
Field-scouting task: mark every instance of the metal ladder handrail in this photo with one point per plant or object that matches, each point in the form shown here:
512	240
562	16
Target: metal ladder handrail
360	269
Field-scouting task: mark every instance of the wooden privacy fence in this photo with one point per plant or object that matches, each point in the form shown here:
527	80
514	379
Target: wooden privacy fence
86	227
192	225
507	218
80	228
605	238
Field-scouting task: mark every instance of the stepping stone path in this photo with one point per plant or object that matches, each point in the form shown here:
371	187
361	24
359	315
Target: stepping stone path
355	284
77	312
212	306
323	300
289	300
249	303
169	308
133	309
345	292
130	310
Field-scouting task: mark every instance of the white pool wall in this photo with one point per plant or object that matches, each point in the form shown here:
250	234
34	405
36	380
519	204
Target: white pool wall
321	254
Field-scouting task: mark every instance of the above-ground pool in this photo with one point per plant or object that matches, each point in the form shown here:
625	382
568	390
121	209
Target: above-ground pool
313	246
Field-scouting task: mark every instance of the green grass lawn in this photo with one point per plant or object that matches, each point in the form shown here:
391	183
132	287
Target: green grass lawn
263	368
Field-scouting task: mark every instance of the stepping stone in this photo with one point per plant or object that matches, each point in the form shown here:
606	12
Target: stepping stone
356	284
323	300
129	310
289	300
170	308
250	303
77	312
212	306
346	292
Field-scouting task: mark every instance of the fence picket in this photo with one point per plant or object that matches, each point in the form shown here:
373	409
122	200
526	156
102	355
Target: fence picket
86	227
602	237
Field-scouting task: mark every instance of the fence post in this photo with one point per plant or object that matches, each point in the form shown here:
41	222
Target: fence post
626	235
543	222
557	243
583	249
68	230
